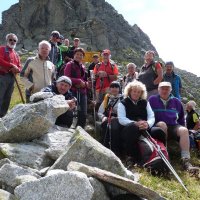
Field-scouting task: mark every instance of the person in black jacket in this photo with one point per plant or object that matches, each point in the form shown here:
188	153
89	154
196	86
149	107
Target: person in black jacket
62	86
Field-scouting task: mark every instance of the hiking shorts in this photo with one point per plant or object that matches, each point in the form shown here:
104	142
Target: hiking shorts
172	132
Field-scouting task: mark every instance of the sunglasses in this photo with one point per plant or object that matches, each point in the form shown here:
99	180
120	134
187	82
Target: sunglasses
12	40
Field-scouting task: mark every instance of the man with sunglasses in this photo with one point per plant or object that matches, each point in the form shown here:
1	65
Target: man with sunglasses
10	65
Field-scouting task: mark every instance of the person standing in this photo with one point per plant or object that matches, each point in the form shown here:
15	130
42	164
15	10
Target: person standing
38	72
151	73
10	65
76	71
105	72
131	76
95	58
55	54
174	79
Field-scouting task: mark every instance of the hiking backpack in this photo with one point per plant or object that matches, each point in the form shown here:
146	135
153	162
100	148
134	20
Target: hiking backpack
150	159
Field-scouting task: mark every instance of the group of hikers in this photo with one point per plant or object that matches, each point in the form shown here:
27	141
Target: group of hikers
144	101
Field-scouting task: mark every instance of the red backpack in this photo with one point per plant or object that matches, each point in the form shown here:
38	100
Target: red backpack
150	158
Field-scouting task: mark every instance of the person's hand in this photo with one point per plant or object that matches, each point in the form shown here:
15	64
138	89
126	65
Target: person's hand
14	69
142	125
102	74
71	103
104	119
82	84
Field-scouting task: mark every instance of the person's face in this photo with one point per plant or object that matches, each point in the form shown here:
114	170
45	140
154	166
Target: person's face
164	92
44	51
149	57
95	59
169	69
114	91
105	57
76	43
66	42
131	70
135	94
12	41
62	87
54	38
78	56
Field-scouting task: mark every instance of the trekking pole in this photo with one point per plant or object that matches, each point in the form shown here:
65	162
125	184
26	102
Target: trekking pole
108	129
93	98
160	153
19	89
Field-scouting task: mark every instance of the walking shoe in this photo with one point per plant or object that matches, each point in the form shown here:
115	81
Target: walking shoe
188	166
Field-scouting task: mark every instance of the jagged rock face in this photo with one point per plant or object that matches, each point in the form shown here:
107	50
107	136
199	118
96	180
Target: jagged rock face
97	23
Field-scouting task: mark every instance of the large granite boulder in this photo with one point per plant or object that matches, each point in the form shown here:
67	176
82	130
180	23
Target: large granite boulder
28	154
60	186
85	149
26	122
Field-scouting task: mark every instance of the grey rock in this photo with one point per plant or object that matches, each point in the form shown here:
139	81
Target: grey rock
99	190
38	96
24	178
4	195
119	181
5	161
28	154
62	186
9	174
53	172
26	122
56	142
85	149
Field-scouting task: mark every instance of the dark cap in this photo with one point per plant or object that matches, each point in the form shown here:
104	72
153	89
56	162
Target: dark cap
115	84
169	63
64	79
55	34
61	37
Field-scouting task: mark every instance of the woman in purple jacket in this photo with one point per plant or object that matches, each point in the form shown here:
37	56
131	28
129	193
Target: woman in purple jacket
77	72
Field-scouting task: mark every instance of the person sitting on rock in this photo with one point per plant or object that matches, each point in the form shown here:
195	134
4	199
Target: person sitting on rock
62	86
107	112
77	73
151	73
38	72
136	116
105	72
192	117
132	74
169	115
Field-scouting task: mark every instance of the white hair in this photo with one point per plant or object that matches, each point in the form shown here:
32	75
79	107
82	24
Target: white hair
11	34
131	65
44	42
135	85
192	104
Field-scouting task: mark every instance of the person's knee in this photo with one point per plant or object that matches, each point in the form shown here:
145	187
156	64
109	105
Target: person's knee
163	126
182	132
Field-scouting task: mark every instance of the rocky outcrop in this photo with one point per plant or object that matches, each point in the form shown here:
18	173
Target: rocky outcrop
28	171
29	121
90	20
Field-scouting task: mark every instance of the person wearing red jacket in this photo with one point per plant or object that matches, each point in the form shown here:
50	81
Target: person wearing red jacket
10	65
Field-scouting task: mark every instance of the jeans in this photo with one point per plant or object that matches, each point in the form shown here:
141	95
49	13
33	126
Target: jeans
6	89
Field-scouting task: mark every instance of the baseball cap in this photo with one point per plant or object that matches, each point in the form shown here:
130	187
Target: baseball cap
164	84
76	39
95	56
115	84
61	37
106	51
55	34
64	79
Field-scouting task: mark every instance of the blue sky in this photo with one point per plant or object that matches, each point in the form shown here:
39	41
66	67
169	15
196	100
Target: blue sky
172	25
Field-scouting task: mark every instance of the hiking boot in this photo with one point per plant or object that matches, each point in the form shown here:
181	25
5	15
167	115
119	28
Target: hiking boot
187	166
